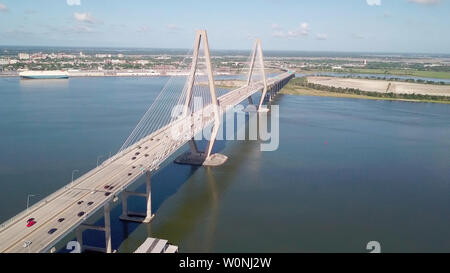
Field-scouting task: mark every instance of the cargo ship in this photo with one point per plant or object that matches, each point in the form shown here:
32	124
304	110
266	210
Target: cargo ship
57	74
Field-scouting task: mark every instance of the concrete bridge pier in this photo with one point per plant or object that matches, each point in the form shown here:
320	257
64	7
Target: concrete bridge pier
106	228
138	217
199	158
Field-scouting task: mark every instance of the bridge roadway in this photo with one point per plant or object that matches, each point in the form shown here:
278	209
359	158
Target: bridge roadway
88	194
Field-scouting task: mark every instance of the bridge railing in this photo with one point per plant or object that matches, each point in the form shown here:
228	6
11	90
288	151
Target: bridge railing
48	198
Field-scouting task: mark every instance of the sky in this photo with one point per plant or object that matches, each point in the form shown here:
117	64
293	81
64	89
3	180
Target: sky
404	26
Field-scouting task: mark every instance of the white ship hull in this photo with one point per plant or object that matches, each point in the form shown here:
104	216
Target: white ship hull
44	75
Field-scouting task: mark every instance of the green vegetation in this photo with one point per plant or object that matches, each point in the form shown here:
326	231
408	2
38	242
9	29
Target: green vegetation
301	86
399	72
396	66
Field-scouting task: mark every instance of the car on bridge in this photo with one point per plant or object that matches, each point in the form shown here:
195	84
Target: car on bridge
51	231
31	222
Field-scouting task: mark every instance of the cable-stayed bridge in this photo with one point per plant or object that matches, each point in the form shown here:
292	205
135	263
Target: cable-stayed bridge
184	108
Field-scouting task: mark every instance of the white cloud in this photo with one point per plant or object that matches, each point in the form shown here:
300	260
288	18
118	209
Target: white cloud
3	8
302	30
373	2
73	2
426	2
84	17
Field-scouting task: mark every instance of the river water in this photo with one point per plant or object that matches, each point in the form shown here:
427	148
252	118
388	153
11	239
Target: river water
347	171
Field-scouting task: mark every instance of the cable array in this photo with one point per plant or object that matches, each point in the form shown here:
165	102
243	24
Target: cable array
168	105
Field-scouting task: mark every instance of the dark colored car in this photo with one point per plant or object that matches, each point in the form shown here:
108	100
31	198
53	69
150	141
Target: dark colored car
81	213
80	202
60	220
107	193
51	231
90	203
106	187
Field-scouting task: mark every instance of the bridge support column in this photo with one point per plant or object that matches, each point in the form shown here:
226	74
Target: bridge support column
106	228
138	217
252	65
264	91
79	234
250	100
193	146
107	209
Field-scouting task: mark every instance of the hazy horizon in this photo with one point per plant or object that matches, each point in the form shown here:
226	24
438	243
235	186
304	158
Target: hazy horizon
178	51
375	26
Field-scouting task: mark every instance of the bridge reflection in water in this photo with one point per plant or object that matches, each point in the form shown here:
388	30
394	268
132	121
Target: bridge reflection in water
190	218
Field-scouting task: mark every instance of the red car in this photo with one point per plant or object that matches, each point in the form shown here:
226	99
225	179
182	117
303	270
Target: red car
31	222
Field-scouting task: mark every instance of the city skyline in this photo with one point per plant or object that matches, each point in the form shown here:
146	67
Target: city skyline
404	26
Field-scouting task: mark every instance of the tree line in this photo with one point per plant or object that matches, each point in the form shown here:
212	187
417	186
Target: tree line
303	82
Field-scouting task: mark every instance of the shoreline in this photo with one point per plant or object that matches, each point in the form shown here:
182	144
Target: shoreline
106	76
304	91
345	85
392	72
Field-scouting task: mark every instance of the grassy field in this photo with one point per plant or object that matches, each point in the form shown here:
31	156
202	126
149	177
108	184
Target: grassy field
415	73
382	86
294	88
399	72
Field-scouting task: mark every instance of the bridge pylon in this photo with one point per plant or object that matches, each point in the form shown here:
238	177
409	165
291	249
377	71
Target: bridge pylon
196	157
257	56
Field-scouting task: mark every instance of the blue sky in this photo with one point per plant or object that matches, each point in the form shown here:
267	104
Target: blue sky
328	25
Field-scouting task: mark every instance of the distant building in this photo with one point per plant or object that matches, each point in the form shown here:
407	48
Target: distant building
142	62
120	55
163	57
115	61
24	56
103	55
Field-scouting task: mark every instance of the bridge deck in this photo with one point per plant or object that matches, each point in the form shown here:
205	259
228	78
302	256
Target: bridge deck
88	194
